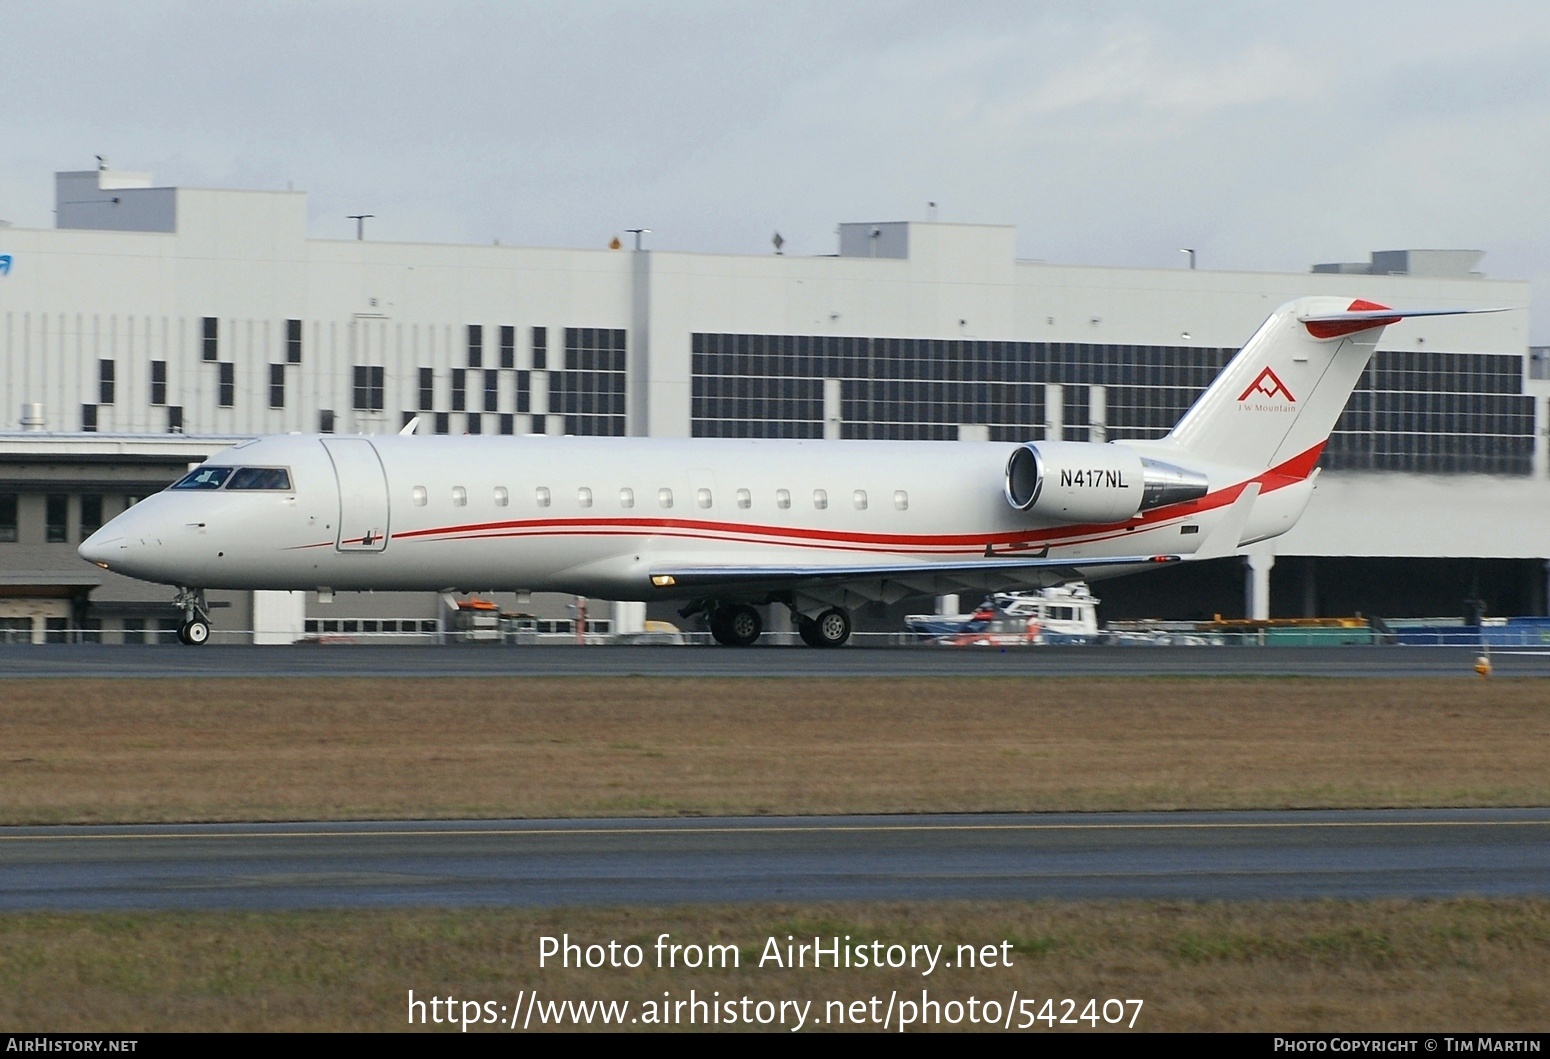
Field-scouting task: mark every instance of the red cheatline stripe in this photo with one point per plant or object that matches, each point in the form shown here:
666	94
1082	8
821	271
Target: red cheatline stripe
1285	474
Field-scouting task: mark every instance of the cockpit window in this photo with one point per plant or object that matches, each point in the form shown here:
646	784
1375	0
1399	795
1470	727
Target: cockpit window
203	478
275	478
260	478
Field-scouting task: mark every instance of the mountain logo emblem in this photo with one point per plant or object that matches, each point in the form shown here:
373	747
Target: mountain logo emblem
5	264
1267	384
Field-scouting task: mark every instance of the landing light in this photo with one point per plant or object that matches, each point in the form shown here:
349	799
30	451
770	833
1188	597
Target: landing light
663	580
103	565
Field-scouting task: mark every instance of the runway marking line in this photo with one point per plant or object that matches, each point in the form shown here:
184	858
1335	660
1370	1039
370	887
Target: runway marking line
793	829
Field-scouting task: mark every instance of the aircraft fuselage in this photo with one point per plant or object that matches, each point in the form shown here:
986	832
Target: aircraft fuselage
595	516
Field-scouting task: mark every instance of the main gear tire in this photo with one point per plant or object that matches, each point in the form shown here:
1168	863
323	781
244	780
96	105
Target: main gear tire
829	629
736	625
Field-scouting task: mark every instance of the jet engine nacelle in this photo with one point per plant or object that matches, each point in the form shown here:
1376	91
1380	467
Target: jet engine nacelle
1076	481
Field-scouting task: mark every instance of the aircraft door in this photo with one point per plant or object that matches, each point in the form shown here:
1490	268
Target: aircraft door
363	494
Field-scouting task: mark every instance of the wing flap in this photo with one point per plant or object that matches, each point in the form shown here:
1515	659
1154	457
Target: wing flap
881	580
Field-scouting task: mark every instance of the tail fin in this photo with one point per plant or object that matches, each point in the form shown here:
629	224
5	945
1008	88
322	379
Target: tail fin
1279	398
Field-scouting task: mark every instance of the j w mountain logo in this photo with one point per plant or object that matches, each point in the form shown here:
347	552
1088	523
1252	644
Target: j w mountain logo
1266	384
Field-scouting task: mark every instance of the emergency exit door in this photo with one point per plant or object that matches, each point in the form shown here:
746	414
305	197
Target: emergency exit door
363	494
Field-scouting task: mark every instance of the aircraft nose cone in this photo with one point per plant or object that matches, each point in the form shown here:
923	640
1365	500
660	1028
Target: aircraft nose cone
102	548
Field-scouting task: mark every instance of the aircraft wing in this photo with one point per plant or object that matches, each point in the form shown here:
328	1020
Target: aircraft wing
890	582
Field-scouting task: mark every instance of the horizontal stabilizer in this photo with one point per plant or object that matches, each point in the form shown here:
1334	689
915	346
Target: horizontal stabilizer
1364	314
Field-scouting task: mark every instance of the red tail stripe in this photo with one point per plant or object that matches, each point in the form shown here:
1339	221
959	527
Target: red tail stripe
1336	328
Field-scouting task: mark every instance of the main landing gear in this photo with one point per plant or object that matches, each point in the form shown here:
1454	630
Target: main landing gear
829	629
735	624
195	629
739	625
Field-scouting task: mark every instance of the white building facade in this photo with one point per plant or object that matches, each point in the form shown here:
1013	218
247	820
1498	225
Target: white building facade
156	311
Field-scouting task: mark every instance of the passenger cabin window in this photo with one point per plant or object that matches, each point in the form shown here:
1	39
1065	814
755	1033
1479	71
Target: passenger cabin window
859	497
702	497
459	496
418	495
273	478
626	497
584	496
665	497
541	494
203	478
744	499
502	498
820	499
783	498
901	500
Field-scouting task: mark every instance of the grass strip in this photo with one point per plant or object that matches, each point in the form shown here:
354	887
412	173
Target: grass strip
172	750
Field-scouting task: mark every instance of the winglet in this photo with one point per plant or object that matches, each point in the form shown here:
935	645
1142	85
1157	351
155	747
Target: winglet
1223	540
410	427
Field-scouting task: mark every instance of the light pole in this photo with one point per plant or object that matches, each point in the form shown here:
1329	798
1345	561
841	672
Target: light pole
360	224
1191	252
637	233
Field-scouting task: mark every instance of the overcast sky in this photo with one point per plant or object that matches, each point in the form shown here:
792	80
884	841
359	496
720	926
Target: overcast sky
1267	136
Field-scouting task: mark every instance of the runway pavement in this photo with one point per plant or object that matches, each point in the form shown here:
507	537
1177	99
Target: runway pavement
1226	855
312	660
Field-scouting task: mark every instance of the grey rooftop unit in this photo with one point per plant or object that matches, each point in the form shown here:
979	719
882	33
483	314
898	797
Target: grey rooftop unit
1448	264
107	200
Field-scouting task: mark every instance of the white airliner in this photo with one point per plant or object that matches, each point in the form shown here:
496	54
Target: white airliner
723	525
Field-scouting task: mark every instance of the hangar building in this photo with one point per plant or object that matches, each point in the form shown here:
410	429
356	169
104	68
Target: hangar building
154	325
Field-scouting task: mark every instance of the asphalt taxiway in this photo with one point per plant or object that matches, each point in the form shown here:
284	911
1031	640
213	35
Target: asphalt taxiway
1196	855
353	660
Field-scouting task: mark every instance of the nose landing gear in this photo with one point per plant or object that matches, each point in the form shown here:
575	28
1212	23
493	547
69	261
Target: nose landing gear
195	629
195	632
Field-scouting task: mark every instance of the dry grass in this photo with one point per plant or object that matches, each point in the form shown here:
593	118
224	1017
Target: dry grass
320	749
1391	965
